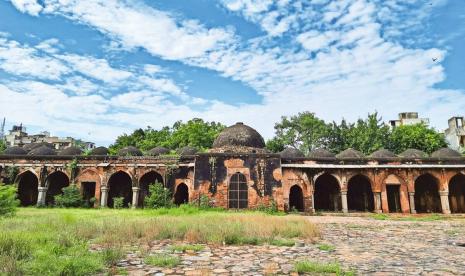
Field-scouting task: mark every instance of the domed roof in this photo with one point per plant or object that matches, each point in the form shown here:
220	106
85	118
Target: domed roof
413	153
187	150
31	146
99	151
129	151
158	151
239	135
383	153
71	151
319	153
446	153
15	151
42	150
350	153
291	153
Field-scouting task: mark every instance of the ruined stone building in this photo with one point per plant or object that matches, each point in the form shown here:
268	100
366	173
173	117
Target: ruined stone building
455	134
238	173
408	118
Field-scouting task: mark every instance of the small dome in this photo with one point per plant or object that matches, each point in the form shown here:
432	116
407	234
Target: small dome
291	153
446	153
158	151
42	150
99	151
413	153
350	153
187	150
71	151
239	135
129	151
31	146
383	153
15	151
321	153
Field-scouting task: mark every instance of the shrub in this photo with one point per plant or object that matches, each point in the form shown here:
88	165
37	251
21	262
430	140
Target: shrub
118	202
8	201
71	197
159	197
112	255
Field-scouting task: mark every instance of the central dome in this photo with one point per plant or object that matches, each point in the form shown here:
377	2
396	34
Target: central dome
239	135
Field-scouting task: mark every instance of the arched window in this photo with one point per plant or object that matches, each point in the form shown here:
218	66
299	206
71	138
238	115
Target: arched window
238	194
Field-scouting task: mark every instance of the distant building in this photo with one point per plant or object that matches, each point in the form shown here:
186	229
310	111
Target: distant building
408	118
455	134
19	137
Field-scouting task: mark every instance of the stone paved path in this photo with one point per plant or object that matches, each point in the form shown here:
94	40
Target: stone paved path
362	244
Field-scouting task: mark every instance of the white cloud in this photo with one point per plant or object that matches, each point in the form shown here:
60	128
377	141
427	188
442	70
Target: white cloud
31	7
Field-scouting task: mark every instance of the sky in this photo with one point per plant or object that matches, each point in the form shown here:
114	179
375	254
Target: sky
95	69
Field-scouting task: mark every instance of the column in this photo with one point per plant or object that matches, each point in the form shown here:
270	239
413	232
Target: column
445	202
104	196
377	196
135	197
345	209
41	196
411	196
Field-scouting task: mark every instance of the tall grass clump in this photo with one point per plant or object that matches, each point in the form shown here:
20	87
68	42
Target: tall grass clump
308	267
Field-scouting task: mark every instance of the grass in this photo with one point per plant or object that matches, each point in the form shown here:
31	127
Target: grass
326	247
430	217
282	242
186	247
320	268
57	241
162	260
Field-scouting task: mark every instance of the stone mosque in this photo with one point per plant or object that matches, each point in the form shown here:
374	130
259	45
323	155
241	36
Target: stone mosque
239	173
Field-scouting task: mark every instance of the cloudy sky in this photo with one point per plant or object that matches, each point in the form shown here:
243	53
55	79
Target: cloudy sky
94	69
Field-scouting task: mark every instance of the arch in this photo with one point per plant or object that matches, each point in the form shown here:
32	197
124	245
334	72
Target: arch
296	198
28	185
55	183
181	196
327	195
145	181
359	194
457	193
120	185
427	198
238	192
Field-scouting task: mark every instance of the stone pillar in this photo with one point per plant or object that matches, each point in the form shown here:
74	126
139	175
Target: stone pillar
41	196
411	196
135	197
377	197
345	209
445	202
104	196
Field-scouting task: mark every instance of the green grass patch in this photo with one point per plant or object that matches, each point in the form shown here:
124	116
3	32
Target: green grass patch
186	247
162	260
326	247
430	217
320	268
379	216
282	242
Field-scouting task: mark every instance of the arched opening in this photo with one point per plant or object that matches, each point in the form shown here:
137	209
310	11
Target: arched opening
296	199
28	185
145	181
393	193
120	185
55	182
238	192
359	194
327	195
457	194
427	198
182	194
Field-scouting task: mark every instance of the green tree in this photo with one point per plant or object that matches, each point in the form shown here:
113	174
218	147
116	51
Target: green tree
275	145
195	133
418	136
304	131
8	201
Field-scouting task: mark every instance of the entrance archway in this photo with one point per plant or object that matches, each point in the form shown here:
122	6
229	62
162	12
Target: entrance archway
55	182
327	195
457	194
427	198
238	192
182	194
296	199
120	185
145	181
359	194
28	185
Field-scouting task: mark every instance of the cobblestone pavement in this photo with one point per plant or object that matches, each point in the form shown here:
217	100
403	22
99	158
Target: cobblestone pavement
361	244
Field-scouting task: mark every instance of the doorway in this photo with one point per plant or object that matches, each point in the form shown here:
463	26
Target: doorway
393	196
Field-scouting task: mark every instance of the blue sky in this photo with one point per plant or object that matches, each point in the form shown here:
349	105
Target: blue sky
97	68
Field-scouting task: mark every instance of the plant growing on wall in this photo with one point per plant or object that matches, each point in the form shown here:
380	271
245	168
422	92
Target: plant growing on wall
11	173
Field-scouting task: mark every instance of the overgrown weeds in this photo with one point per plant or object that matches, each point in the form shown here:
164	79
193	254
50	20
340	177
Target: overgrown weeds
321	268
